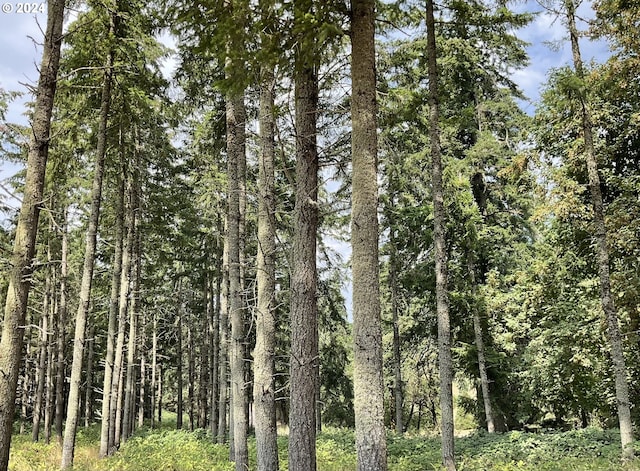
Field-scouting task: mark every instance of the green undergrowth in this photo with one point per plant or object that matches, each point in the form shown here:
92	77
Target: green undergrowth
178	450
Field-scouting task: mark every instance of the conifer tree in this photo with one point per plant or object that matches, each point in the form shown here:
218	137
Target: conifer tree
71	423
27	227
264	352
445	365
304	278
367	330
606	298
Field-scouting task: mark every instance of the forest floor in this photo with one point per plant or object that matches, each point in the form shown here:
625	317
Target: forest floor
167	449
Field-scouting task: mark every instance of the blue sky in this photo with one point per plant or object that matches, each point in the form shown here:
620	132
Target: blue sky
20	54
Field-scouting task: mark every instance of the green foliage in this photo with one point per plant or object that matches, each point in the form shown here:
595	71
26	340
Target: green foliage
29	456
170	450
179	450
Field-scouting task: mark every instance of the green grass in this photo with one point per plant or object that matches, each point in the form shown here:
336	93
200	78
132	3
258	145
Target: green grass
167	449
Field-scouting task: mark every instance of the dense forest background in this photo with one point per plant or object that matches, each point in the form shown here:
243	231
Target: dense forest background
191	235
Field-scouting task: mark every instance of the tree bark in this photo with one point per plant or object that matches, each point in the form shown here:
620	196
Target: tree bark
479	340
160	392
113	318
179	373
50	401
397	359
143	382
235	116
61	332
115	404
445	364
129	393
304	308
117	434
73	404
203	376
191	373
26	383
42	355
134	311
27	227
264	353
214	319
608	305
368	383
88	398
224	343
154	368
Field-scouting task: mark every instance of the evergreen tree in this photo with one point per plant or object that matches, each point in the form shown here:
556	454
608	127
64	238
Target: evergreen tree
367	332
25	238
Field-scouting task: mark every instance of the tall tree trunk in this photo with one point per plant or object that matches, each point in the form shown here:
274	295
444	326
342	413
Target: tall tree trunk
113	318
88	398
318	399
160	391
264	353
224	343
371	445
304	309
50	401
26	382
154	368
134	311
27	228
61	331
117	434
203	376
42	355
479	340
235	117
397	359
137	287
53	312
606	299
115	411
179	373
482	367
214	306
477	186
71	423
143	383
445	363
191	373
129	393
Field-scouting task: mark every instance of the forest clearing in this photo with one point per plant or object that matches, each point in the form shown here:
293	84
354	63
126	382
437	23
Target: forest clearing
226	219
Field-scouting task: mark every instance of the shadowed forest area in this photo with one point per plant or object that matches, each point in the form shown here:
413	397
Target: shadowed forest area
313	235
